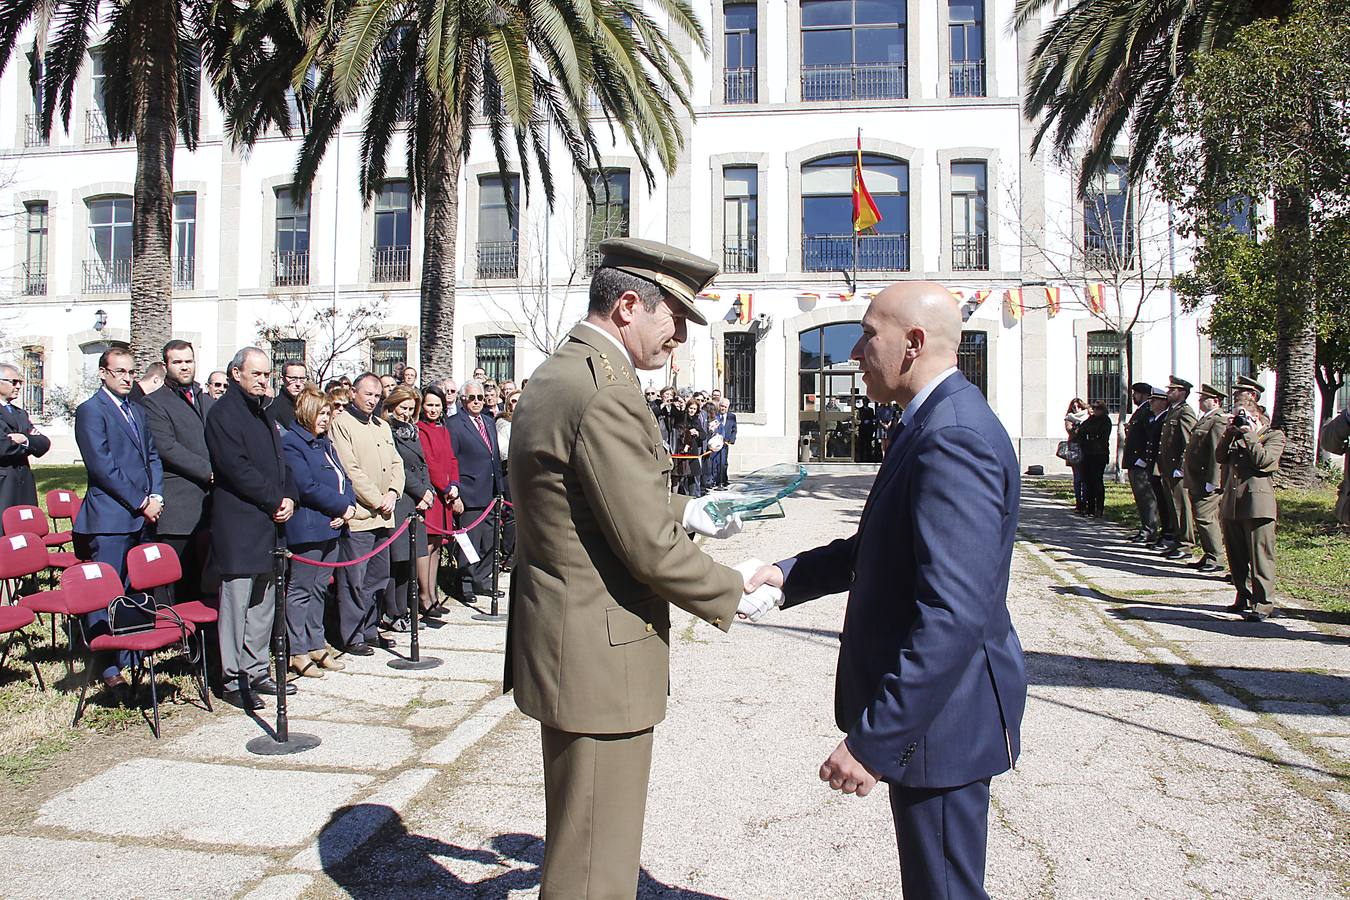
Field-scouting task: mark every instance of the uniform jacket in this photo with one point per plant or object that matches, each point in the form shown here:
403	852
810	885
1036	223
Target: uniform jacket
180	437
1176	431
931	681
365	447
322	487
1336	439
1094	437
251	481
600	554
1250	462
1136	435
480	468
122	464
1201	460
17	487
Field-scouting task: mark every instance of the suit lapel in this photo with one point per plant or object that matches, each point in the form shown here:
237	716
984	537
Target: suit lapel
120	418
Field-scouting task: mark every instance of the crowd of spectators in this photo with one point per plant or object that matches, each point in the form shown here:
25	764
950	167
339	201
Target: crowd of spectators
699	430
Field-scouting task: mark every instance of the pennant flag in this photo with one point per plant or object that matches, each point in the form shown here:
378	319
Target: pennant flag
844	296
865	212
1014	300
981	296
1096	297
958	295
709	295
746	299
1052	301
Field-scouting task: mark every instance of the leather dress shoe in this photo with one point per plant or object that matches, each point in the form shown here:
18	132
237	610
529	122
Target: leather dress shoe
360	648
400	625
1253	615
242	699
1136	537
1207	566
1237	606
1175	553
268	685
384	643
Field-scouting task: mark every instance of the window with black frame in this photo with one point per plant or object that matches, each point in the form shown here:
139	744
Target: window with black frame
608	214
854	50
1108	229
965	32
1226	364
290	258
741	23
1104	380
827	214
970	216
496	355
740	223
738	366
108	268
391	257
35	250
34	377
388	355
184	241
972	359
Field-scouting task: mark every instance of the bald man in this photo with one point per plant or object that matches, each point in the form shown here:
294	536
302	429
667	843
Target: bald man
931	681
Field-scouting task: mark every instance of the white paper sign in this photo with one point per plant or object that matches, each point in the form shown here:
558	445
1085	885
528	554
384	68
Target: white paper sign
467	547
91	571
25	514
151	553
17	542
65	498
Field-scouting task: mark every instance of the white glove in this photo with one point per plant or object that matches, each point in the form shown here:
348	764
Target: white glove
764	598
1139	463
1176	473
715	443
696	518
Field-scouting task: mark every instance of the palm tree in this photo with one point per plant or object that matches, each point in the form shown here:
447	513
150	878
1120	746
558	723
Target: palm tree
155	48
438	66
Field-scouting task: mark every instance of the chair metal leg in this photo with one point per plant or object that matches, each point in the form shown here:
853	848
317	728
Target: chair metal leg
202	683
4	652
32	660
154	695
84	687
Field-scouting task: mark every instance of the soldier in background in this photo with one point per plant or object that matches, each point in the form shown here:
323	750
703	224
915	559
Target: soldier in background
1176	431
1134	458
1251	450
1336	439
1203	477
1157	407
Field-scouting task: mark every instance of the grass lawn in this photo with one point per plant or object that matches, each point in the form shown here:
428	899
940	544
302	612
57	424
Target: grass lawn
49	477
1312	552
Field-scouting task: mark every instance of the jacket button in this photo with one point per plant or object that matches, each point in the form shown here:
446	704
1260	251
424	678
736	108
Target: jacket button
717	622
650	628
852	577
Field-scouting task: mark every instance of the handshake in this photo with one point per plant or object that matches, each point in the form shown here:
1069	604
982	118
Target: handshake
763	582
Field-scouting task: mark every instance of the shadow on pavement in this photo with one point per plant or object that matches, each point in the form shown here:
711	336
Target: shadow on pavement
396	863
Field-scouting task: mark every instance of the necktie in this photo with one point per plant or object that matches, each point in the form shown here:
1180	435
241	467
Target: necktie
894	437
191	401
131	420
482	432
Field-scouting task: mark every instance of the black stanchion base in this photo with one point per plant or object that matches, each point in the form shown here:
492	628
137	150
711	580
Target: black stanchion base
488	617
267	745
402	664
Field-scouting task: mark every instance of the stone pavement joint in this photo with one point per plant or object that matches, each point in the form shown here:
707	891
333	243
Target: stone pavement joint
468	732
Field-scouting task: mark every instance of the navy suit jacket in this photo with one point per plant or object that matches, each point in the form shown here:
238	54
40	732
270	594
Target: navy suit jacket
122	463
931	681
480	471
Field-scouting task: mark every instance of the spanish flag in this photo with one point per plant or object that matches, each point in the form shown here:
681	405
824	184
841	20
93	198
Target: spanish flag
981	296
746	299
865	212
1096	297
1014	298
1052	301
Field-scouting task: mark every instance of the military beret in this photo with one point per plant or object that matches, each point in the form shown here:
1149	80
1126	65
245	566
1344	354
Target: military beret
1142	387
1180	383
1208	391
1158	394
1247	383
679	272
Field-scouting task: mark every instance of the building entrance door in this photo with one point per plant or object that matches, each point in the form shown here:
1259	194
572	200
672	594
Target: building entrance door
836	422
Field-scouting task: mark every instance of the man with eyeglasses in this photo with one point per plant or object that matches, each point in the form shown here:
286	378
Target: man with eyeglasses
126	482
20	442
451	392
294	377
216	385
473	437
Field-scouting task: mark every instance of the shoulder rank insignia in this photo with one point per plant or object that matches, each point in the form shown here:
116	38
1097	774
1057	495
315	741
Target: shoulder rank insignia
609	370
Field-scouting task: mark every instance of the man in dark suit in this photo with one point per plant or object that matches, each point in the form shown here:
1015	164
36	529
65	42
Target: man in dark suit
176	414
473	436
294	377
19	441
729	441
126	481
931	684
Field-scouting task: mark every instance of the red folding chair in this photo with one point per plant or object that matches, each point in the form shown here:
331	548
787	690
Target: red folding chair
32	520
91	586
22	557
13	621
155	568
62	504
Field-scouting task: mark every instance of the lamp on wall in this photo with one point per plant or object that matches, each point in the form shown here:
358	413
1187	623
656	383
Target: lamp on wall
100	320
734	312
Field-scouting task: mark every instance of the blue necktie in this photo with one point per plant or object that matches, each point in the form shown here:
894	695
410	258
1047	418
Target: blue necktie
131	420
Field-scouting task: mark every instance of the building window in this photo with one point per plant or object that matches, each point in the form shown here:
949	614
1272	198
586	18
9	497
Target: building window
290	259
34	364
33	135
965	33
738	359
391	257
970	216
740	21
496	356
827	215
286	350
388	355
35	251
1237	214
740	222
972	358
96	117
184	241
853	49
108	268
498	227
608	214
1108	234
1226	364
835	422
1104	381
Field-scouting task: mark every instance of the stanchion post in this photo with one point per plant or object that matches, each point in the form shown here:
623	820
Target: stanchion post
494	613
415	658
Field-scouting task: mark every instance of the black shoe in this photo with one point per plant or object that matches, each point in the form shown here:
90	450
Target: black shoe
1207	566
434	612
400	625
1252	615
1238	606
384	643
1136	537
1176	553
361	648
268	685
242	699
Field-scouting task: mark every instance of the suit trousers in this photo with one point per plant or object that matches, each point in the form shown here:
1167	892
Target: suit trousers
111	549
595	796
360	586
1183	528
307	595
476	578
1207	530
1163	499
1251	559
1144	499
247	613
942	834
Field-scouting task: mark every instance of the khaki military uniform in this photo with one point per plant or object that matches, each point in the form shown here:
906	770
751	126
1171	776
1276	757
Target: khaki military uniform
1176	431
1336	439
600	558
1203	477
1248	511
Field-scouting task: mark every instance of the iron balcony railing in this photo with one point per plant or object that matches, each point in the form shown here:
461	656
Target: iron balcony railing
34	280
876	253
291	268
741	254
871	81
95	127
498	259
970	252
967	78
741	85
1106	252
184	272
111	276
32	132
388	264
592	260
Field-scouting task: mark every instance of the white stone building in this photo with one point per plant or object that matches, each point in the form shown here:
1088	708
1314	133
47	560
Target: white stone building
763	186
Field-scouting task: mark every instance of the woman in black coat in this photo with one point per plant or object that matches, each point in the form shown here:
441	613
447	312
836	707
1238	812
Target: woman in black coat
400	409
690	439
1094	438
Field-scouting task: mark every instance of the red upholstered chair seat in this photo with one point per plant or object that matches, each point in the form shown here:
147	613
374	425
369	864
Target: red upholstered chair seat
199	612
61	559
46	602
157	638
12	618
56	539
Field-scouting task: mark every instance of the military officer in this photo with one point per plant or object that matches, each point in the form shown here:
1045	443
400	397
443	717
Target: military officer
1135	458
1157	413
1336	439
1250	450
1176	431
601	555
1203	478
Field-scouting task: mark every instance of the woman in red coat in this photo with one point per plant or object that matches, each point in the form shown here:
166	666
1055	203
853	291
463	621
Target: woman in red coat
444	471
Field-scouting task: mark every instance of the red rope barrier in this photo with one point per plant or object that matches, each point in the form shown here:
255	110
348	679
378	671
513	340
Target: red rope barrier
432	529
360	559
690	455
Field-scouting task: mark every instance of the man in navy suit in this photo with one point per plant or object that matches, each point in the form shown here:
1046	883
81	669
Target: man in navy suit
931	682
126	481
473	437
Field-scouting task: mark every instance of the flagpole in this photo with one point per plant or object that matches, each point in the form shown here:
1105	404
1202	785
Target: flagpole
853	286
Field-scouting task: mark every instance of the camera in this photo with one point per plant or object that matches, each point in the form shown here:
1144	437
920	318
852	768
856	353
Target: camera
1241	418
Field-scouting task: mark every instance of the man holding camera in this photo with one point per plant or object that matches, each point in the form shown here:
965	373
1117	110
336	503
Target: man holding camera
1250	452
1336	439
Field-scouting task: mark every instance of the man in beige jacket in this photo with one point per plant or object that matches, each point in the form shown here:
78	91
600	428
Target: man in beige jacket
365	447
601	555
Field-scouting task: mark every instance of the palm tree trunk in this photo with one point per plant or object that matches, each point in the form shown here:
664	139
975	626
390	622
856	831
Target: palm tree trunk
1296	344
440	243
154	88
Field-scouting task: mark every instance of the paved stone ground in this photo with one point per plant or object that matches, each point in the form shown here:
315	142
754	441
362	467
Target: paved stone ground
1169	751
